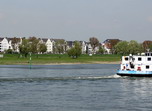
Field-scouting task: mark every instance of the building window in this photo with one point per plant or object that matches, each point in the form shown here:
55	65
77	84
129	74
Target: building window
149	59
147	67
139	59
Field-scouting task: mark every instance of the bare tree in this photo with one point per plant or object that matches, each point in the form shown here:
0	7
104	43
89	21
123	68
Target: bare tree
113	42
15	43
147	45
34	43
94	43
60	46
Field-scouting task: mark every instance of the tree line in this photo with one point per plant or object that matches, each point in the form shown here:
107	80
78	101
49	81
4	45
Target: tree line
131	47
34	46
31	45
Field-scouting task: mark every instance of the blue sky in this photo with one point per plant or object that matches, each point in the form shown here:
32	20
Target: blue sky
77	19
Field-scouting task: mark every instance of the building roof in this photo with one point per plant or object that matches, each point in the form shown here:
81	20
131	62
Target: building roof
44	39
1	39
148	41
70	43
57	40
108	40
9	39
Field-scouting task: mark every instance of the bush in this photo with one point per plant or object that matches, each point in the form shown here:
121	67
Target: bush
75	52
9	51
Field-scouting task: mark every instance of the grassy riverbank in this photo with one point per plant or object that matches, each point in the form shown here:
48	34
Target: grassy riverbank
58	59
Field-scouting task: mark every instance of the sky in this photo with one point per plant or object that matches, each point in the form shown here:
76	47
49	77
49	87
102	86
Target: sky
77	19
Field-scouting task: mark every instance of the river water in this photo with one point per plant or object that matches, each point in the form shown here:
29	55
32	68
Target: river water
85	87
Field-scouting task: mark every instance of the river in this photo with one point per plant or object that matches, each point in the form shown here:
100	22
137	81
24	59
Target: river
81	87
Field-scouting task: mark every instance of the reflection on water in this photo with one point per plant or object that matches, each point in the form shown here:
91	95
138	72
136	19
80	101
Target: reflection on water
85	87
138	93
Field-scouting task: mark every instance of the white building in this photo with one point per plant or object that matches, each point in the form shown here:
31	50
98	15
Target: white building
83	47
89	48
5	44
14	45
49	44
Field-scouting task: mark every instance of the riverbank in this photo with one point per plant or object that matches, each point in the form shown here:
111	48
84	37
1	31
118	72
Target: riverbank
93	62
48	59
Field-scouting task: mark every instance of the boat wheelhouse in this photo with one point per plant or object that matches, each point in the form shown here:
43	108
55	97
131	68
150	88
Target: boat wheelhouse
136	65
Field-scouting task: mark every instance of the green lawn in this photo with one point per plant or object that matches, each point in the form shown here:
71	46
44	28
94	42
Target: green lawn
56	58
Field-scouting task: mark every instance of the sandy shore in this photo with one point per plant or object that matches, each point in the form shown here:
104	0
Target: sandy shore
66	63
95	62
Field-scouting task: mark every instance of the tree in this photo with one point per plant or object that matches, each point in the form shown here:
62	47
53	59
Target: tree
34	43
147	45
150	47
94	43
122	47
42	48
101	50
75	51
134	47
9	51
60	46
72	52
24	47
112	43
15	42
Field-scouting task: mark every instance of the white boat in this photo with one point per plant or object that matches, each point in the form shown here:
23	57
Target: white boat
136	65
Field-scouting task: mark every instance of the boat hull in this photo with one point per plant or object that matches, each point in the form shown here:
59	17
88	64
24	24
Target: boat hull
134	73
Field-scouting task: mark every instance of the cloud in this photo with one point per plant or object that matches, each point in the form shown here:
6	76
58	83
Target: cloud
150	19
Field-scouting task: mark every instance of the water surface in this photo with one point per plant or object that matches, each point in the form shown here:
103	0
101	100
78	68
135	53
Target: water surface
86	87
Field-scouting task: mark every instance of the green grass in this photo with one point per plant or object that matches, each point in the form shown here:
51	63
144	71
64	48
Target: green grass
56	58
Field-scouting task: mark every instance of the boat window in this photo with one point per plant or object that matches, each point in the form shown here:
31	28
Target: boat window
147	67
126	58
147	54
149	59
139	59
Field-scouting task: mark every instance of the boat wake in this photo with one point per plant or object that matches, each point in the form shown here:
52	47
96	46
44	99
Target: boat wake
60	78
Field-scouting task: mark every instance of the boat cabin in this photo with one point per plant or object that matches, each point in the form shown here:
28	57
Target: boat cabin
142	62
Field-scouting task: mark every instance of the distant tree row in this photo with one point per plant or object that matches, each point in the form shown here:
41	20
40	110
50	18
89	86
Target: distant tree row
31	45
122	47
132	47
34	46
